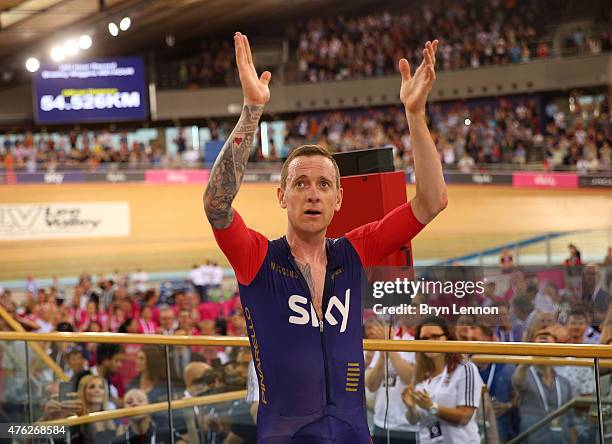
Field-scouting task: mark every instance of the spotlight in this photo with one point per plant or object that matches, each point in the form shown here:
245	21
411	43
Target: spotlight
112	28
58	53
125	23
71	47
170	41
85	42
467	122
32	64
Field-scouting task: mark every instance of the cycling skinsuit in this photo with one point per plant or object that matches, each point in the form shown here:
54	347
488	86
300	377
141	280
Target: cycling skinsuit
310	372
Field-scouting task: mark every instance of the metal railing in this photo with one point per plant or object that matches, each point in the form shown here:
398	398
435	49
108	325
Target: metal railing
518	353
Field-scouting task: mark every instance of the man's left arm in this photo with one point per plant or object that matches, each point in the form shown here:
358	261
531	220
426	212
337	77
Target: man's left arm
430	198
377	240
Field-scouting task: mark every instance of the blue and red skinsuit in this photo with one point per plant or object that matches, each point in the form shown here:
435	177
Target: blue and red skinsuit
311	373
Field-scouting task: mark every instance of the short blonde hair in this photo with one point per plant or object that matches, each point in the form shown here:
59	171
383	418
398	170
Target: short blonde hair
308	150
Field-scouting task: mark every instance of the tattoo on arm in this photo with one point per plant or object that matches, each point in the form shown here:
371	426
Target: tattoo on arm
228	170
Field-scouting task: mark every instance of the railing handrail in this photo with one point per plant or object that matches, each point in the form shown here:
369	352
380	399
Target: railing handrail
162	406
537	360
36	348
478	348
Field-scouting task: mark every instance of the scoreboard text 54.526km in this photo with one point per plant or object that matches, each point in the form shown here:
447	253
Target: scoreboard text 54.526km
97	91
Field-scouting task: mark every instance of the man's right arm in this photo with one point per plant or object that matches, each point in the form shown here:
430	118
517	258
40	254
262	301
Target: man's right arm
228	170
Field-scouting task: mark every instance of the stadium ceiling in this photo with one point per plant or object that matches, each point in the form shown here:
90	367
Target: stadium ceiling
33	25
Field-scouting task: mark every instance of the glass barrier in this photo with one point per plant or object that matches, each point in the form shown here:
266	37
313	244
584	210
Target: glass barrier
142	375
18	391
479	353
506	398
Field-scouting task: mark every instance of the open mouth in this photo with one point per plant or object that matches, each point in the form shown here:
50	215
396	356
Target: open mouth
312	212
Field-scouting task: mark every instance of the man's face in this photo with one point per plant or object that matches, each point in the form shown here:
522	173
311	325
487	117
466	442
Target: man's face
166	319
576	326
135	398
242	363
196	387
76	362
476	334
463	332
184	320
207	328
311	196
115	363
590	275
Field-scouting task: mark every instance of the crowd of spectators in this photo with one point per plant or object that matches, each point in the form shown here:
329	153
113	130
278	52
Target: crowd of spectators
567	304
110	376
472	35
483	33
77	150
466	134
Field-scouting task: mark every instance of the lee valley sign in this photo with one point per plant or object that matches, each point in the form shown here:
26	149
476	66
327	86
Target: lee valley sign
64	220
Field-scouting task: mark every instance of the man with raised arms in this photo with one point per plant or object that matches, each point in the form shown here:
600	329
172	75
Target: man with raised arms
301	293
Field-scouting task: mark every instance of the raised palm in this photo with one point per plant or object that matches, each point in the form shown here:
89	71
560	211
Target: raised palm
255	89
415	89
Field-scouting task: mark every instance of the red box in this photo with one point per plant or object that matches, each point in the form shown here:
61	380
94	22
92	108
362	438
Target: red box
367	198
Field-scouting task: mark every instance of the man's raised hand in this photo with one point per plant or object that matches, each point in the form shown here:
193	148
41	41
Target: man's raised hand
255	89
415	89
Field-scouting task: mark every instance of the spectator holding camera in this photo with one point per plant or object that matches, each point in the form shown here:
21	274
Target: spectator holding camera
541	390
93	396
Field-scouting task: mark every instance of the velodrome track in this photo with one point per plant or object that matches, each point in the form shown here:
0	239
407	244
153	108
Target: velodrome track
169	230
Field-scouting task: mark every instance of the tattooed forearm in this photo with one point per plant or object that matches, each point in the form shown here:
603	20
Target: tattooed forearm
228	170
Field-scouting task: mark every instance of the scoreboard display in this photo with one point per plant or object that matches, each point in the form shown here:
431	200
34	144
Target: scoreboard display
94	91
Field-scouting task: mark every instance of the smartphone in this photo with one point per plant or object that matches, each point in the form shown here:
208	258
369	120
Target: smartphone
64	389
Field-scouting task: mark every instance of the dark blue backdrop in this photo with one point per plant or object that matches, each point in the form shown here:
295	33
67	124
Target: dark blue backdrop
104	90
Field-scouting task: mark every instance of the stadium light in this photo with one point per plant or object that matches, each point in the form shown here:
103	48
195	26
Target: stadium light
125	23
85	42
32	64
58	53
71	47
112	28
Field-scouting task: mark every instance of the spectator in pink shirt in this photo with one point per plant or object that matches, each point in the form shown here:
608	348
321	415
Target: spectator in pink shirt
146	324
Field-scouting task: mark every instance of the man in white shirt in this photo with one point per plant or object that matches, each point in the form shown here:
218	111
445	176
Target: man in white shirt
140	279
198	280
466	163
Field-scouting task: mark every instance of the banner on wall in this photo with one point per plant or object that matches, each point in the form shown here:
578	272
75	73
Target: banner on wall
479	178
595	181
51	177
545	180
176	176
116	177
64	220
